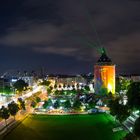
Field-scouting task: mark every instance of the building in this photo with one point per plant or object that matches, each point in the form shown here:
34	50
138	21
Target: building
104	75
4	82
28	79
67	79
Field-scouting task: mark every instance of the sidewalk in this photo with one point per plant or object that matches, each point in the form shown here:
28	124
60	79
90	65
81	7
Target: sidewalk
11	123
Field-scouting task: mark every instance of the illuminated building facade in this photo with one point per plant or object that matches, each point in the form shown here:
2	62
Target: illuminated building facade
104	75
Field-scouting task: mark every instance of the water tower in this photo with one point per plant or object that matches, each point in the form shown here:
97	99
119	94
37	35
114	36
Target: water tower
104	75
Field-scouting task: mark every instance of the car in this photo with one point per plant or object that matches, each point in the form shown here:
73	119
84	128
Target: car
92	111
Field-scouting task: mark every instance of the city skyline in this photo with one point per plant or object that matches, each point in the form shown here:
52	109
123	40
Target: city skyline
59	35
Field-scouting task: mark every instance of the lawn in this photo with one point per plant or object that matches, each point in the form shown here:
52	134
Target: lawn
74	127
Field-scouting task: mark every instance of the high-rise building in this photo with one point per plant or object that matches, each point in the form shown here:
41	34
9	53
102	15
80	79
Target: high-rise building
104	75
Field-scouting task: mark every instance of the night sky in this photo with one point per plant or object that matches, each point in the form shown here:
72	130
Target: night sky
58	35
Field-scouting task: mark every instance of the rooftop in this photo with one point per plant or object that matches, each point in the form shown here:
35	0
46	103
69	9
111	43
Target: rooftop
104	59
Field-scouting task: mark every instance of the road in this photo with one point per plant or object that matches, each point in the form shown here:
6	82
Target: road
36	89
21	114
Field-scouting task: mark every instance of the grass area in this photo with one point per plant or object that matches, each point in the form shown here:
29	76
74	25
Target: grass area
74	127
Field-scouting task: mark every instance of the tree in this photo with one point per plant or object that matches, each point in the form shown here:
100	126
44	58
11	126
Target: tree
77	104
67	104
73	87
49	90
50	102
87	88
20	85
4	113
103	91
136	129
46	104
57	92
110	95
45	83
68	86
60	86
56	104
134	95
77	86
33	104
38	99
91	105
73	92
55	86
119	110
62	92
64	86
122	84
130	136
7	90
21	104
13	108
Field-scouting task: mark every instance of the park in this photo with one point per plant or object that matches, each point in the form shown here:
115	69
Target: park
70	127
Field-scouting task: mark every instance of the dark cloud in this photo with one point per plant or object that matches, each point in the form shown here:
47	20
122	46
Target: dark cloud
31	33
66	28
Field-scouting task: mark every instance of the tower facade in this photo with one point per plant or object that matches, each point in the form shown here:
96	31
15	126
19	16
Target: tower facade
104	75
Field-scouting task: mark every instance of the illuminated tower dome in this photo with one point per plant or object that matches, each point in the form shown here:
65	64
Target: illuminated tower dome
104	75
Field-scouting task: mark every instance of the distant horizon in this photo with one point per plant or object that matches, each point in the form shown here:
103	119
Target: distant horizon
38	71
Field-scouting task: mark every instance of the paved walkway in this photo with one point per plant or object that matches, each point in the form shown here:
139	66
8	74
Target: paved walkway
11	123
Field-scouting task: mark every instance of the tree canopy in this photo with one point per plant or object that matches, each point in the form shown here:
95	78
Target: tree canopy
13	108
45	83
4	113
77	104
136	129
7	90
56	104
134	95
122	84
21	103
20	85
119	110
67	104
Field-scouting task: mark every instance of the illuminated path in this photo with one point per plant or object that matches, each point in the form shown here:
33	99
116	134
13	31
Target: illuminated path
26	95
19	116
